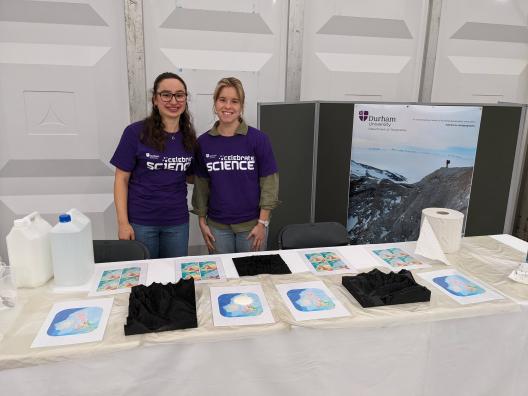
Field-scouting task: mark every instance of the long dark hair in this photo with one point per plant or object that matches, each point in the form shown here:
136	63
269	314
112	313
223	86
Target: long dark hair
152	134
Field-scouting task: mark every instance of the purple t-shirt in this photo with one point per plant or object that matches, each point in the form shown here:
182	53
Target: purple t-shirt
157	189
234	165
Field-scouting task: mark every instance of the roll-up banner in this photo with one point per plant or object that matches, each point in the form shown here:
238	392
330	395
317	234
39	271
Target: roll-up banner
406	158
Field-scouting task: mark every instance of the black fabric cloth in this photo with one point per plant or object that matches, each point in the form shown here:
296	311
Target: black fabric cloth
265	264
160	307
375	288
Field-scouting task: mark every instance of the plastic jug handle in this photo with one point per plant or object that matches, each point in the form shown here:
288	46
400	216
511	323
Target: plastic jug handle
33	216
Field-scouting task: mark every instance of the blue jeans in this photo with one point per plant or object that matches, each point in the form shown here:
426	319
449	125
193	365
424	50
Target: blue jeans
163	241
227	241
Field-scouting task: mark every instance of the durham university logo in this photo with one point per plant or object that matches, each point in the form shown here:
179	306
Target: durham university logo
363	115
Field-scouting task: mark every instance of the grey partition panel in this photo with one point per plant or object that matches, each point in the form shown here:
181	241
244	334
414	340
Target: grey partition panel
334	144
291	128
499	129
291	131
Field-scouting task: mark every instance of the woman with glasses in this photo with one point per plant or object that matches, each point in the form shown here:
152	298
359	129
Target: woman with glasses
237	181
153	164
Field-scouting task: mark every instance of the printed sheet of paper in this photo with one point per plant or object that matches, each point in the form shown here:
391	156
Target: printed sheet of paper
240	305
202	269
74	322
326	262
311	300
396	258
113	278
459	287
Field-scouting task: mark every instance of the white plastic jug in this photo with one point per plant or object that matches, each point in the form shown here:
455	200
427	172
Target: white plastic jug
72	249
29	252
85	222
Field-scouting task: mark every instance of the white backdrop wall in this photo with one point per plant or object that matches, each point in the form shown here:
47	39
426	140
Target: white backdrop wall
363	50
63	75
482	52
63	105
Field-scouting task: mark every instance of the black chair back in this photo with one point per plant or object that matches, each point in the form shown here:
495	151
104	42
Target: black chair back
310	235
107	251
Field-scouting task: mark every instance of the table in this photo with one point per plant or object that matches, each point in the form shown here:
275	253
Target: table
420	349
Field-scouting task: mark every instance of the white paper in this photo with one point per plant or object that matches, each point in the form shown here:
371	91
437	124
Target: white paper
359	257
461	288
114	278
428	244
311	300
326	262
395	258
294	262
513	242
160	271
74	322
240	305
202	269
229	267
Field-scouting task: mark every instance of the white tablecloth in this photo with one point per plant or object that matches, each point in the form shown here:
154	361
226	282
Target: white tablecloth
434	348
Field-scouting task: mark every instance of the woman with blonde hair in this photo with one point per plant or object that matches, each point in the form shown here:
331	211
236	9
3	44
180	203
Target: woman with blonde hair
237	179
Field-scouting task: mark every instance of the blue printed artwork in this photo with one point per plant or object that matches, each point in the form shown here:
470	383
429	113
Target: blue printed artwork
311	299
119	279
396	257
202	270
458	285
325	261
75	321
109	275
233	305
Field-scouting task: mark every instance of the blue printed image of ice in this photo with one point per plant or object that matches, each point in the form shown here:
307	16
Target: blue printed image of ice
75	321
239	305
307	300
458	285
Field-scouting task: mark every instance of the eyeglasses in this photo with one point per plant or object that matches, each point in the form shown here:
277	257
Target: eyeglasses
166	96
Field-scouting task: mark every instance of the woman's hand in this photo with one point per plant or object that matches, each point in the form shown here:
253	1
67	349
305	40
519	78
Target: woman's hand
207	235
258	233
126	232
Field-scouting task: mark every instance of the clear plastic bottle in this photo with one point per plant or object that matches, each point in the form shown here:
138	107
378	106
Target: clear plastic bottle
86	225
8	291
28	250
72	250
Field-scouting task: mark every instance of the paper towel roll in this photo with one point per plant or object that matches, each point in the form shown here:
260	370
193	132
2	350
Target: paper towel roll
447	227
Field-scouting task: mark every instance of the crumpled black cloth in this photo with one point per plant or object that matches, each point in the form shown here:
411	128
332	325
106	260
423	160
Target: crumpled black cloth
161	307
375	288
262	264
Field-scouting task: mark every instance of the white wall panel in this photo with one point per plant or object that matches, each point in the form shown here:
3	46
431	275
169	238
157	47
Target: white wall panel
206	40
358	50
63	107
482	52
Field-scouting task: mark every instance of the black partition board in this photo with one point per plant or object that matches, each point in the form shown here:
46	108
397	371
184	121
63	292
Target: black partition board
290	128
334	144
490	188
